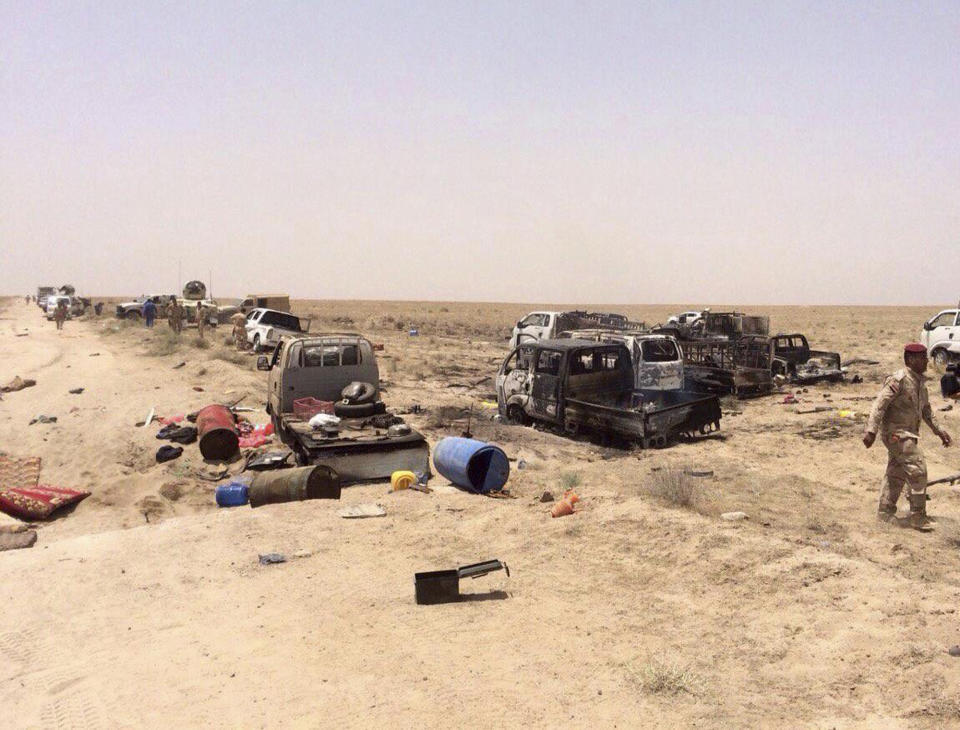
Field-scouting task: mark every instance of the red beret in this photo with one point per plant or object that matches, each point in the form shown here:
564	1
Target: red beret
915	348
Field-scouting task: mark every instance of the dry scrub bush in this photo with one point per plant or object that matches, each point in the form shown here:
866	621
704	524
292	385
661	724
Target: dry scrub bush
673	487
201	343
232	356
664	676
570	480
164	344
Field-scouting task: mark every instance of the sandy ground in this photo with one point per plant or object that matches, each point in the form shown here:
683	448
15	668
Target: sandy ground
146	605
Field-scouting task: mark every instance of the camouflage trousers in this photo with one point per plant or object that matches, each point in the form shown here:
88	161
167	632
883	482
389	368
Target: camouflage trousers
905	466
240	338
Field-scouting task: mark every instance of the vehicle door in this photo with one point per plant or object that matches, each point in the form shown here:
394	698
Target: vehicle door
251	324
658	364
275	380
514	376
545	390
942	328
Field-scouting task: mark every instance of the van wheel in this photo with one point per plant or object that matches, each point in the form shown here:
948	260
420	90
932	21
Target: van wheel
132	315
257	347
516	415
940	359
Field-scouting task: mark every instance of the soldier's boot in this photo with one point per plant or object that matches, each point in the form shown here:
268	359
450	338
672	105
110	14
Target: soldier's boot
887	513
918	513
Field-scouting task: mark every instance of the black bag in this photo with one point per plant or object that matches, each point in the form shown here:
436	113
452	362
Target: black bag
168	453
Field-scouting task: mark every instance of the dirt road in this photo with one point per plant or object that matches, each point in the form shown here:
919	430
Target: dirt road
147	606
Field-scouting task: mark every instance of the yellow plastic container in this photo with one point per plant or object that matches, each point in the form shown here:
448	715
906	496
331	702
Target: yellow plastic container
402	480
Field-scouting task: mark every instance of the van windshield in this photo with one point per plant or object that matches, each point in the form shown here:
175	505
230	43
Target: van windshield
281	320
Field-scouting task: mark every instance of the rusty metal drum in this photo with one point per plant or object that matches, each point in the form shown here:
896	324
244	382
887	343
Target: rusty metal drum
292	485
217	430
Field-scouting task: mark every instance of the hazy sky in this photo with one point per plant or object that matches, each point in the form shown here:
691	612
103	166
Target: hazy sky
794	152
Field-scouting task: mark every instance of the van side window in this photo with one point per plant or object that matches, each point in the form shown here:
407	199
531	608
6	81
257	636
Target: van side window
944	320
549	362
610	360
659	351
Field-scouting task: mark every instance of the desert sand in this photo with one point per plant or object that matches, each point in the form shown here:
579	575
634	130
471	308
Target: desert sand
146	605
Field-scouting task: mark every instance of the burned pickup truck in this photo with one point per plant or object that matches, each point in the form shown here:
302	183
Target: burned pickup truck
579	386
794	360
336	375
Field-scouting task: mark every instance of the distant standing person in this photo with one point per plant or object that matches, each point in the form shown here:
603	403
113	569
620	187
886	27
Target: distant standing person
902	403
98	308
60	313
149	312
175	315
201	319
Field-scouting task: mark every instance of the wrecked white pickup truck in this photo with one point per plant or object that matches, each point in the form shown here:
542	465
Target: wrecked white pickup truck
550	325
657	359
578	386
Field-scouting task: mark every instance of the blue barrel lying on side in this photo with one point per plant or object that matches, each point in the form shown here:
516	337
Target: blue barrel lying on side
470	464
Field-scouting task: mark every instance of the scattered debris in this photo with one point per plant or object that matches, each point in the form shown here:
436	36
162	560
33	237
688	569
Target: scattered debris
94	354
198	388
76	391
860	361
948	407
472	465
402	479
16	384
856	379
43	419
179	365
443	586
565	506
168	453
149	419
272	559
702	473
16	540
547	496
362	510
734	516
233	494
292	485
954	650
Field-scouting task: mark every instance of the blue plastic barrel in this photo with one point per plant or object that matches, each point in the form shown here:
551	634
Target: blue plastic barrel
233	494
471	464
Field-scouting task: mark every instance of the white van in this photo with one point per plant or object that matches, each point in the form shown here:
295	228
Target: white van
657	359
941	335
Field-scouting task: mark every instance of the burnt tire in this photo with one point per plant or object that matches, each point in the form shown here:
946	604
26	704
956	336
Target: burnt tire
257	347
132	315
358	410
359	392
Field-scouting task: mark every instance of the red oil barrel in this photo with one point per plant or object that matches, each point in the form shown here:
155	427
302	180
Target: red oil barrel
217	430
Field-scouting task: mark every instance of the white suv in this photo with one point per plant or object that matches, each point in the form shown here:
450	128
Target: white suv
265	327
941	335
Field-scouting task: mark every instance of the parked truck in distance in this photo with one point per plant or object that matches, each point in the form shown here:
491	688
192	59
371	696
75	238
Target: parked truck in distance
550	325
278	302
581	386
941	335
265	328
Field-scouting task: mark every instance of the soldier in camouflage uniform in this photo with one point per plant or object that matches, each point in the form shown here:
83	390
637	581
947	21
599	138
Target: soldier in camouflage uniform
175	315
902	403
201	319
